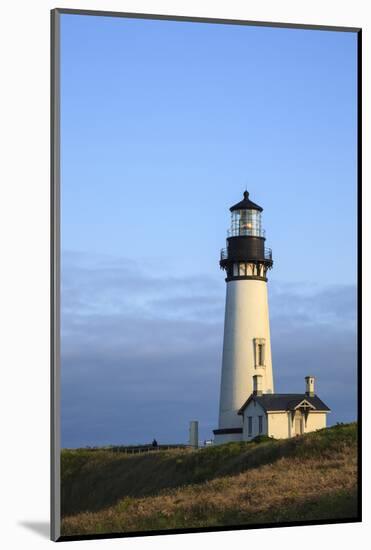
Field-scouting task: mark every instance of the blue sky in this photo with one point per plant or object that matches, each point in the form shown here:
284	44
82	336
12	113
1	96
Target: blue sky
164	124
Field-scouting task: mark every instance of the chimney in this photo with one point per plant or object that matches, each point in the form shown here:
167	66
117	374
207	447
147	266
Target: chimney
309	385
258	384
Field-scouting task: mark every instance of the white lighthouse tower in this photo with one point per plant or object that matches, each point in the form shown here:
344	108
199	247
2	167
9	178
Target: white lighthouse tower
247	362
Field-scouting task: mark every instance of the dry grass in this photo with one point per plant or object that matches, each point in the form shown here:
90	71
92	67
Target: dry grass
290	488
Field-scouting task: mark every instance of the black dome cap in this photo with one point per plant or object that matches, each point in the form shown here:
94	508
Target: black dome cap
246	204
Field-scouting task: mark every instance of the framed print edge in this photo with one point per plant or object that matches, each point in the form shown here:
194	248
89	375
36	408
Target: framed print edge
198	19
359	269
55	493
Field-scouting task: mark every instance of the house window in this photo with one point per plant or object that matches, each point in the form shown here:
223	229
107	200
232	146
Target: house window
260	424
249	425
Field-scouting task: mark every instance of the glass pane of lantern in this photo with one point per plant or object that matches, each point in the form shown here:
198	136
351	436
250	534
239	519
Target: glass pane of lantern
246	223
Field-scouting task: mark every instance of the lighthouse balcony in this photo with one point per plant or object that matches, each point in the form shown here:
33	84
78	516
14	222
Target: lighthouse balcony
225	256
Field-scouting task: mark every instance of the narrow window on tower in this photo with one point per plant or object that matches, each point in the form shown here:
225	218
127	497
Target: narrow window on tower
260	424
242	270
249	425
259	352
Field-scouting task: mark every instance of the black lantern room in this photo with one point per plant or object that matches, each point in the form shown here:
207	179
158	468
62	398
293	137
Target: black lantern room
245	256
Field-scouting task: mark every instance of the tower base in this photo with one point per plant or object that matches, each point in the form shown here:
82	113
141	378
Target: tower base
226	435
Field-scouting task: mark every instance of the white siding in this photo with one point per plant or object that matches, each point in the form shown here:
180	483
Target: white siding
278	425
315	421
282	424
254	411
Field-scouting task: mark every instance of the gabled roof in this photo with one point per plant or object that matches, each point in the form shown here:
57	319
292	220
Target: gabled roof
285	402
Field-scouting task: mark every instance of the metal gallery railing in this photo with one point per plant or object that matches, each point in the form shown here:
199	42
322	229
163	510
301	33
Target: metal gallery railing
267	254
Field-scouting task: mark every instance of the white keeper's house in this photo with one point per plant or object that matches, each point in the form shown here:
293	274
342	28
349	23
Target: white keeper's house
248	405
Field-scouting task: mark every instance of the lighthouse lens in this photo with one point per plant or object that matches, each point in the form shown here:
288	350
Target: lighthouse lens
246	223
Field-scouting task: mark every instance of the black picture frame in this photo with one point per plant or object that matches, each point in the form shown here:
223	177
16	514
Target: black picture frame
55	267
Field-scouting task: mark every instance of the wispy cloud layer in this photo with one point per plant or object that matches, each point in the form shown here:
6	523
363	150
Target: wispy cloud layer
141	350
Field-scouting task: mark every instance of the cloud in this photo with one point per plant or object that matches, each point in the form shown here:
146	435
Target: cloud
141	350
313	303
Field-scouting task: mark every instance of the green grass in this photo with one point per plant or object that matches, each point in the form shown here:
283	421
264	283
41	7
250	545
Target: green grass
105	491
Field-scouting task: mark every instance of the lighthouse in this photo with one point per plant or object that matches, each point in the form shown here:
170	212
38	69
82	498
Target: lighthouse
247	361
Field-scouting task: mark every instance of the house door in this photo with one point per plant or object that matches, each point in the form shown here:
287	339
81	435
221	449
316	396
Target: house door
298	424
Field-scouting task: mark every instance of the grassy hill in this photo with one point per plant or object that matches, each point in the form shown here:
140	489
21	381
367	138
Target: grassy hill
305	478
